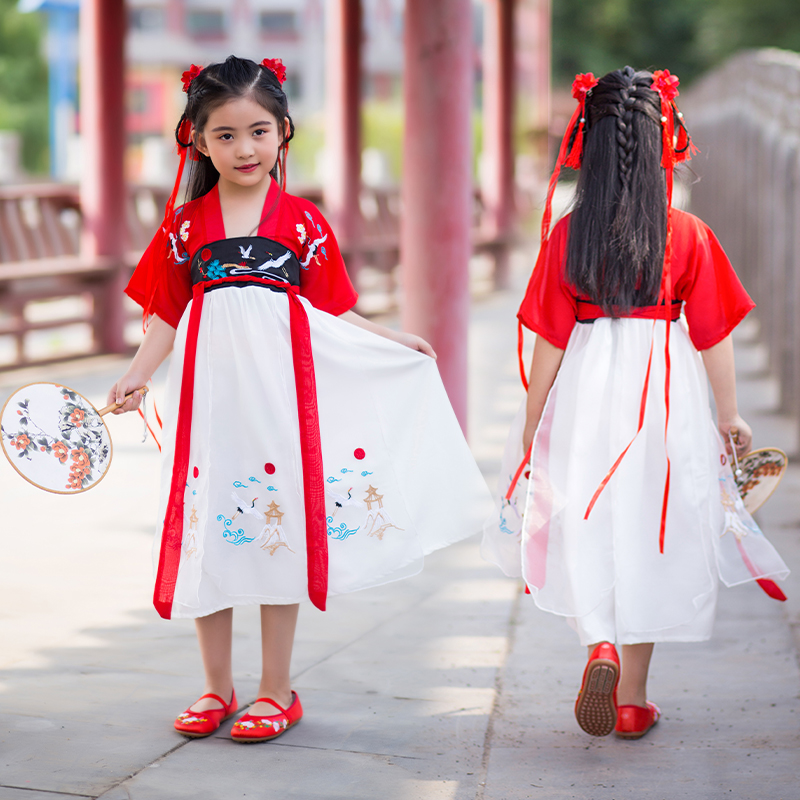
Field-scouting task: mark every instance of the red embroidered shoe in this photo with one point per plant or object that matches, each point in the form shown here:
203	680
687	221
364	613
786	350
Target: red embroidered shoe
596	706
633	722
250	728
197	724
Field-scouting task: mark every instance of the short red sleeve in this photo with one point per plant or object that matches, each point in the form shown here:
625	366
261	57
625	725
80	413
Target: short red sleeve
323	276
716	301
549	308
161	283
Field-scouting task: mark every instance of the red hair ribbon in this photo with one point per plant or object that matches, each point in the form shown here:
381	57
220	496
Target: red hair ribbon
275	65
571	156
581	86
188	76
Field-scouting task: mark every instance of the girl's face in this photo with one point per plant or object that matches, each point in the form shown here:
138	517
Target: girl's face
242	140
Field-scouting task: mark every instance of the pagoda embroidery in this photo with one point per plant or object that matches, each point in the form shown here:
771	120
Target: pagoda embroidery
190	545
378	520
272	535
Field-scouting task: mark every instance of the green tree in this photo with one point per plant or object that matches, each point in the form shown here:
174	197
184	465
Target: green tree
687	37
23	83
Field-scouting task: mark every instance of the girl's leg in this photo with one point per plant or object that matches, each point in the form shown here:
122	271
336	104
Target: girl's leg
278	624
632	689
214	635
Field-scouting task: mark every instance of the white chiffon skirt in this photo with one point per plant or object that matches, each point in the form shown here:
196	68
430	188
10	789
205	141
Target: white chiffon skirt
605	574
400	479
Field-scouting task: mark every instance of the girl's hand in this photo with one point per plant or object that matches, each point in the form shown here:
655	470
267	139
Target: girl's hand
742	435
416	343
126	384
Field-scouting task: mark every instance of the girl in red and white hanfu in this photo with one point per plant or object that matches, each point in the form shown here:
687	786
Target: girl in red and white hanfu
307	451
625	516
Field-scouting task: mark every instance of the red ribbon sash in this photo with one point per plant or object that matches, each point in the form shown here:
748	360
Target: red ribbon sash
310	452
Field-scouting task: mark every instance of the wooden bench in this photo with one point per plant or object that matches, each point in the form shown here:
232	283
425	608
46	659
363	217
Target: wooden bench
40	260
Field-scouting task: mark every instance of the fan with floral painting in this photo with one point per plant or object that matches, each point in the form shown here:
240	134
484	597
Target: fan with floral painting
55	438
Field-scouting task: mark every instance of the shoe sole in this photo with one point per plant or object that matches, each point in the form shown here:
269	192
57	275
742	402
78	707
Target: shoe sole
595	710
254	740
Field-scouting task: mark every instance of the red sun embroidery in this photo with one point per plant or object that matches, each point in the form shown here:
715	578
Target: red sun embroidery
269	469
205	254
195	472
359	453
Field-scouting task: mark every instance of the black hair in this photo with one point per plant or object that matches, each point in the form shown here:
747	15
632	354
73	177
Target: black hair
618	227
215	85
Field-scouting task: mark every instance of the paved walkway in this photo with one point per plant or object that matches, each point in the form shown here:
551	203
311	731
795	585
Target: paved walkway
448	685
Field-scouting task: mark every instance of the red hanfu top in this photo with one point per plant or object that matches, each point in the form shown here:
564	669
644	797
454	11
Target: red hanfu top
715	301
292	221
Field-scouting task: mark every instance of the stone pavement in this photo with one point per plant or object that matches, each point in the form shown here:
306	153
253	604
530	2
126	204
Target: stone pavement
443	686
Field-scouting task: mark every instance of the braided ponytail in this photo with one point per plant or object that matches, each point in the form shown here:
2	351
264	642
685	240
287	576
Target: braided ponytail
618	227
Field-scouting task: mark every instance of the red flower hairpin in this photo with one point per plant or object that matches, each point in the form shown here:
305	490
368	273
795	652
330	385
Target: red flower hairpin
189	76
665	84
583	84
275	65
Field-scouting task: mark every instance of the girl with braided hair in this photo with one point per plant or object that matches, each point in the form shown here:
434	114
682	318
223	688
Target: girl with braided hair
307	451
619	517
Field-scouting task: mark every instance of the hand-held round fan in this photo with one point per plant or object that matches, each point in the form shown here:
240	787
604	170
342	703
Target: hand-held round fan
757	473
55	438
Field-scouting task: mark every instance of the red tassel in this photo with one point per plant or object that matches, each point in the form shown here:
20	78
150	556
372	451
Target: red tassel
562	157
576	151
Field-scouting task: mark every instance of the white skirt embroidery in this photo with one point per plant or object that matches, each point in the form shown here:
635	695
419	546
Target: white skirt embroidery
400	479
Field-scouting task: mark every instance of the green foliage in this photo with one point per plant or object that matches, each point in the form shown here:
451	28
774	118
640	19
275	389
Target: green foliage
685	36
382	122
23	83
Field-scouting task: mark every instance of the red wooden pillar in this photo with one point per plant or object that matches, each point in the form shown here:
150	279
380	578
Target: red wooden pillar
498	128
103	193
343	132
437	184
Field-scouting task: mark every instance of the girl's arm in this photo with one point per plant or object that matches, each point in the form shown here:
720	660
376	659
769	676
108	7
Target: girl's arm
544	367
408	339
721	371
155	347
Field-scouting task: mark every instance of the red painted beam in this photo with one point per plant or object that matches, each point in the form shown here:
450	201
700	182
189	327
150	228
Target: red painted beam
102	116
343	115
437	184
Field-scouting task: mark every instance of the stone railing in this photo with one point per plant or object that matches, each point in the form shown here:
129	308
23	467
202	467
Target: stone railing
745	118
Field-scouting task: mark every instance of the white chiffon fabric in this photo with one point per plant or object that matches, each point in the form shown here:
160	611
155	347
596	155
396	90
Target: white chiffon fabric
606	574
400	479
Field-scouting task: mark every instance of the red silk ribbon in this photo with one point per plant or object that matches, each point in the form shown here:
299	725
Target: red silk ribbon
310	452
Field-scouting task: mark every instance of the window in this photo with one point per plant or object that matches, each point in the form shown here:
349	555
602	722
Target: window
206	24
278	23
146	19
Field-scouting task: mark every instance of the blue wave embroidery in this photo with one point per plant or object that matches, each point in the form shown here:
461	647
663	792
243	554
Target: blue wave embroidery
340	532
332	479
230	536
365	473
